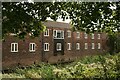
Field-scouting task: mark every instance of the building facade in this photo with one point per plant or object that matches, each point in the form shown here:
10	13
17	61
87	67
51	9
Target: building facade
57	44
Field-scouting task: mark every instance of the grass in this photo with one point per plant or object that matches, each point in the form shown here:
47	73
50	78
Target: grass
98	66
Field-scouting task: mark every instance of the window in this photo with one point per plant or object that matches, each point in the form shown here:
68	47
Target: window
78	34
99	45
58	34
92	36
85	35
58	46
77	46
14	47
69	33
46	33
69	46
93	46
32	47
46	46
86	45
98	36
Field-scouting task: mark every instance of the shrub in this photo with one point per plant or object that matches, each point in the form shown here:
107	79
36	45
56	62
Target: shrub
107	66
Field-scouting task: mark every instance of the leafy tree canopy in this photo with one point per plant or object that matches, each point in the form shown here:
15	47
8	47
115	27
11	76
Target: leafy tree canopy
24	17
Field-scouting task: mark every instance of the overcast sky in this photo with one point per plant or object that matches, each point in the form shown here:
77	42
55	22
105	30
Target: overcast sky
60	20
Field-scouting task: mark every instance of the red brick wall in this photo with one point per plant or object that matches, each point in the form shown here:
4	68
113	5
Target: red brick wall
73	53
24	57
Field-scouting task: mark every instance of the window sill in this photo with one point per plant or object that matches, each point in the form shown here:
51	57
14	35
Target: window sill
58	38
46	35
46	50
69	49
14	51
32	51
58	50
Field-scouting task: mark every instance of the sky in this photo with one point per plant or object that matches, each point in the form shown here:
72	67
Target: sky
60	20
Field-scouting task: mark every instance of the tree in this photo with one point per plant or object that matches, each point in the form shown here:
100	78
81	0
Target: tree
117	44
113	42
23	17
93	16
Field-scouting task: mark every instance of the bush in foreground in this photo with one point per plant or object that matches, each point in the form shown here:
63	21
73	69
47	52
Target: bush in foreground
107	66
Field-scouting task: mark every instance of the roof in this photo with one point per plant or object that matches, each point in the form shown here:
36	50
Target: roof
56	24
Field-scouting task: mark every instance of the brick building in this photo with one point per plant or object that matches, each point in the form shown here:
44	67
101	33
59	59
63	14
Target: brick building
58	43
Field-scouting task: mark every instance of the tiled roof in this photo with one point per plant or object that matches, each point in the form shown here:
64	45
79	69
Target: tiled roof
56	24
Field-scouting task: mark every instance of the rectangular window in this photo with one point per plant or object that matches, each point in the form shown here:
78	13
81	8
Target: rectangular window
32	47
58	47
14	47
86	45
69	33
99	46
77	46
98	36
93	46
58	34
92	36
69	46
85	35
54	33
46	46
46	33
78	34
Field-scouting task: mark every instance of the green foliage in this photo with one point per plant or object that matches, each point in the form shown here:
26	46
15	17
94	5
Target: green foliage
105	67
90	59
113	42
24	17
46	71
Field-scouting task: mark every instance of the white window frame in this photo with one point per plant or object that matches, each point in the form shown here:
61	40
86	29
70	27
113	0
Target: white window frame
32	45
69	46
46	46
69	33
92	36
78	34
86	45
85	35
93	46
77	46
60	47
14	50
55	34
99	46
99	36
46	33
